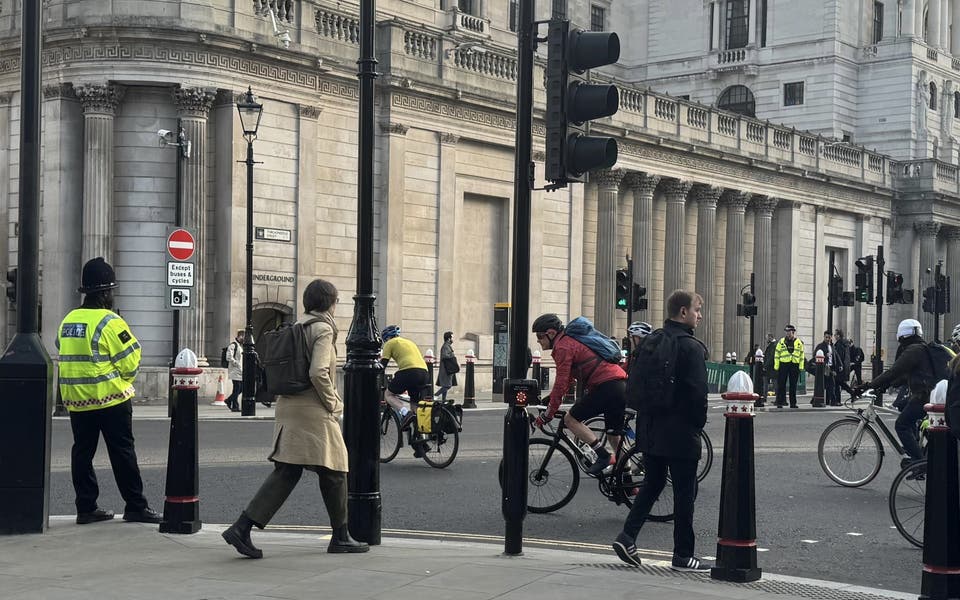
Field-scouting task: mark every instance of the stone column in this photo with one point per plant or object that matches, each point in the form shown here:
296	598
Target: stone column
448	213
604	294
734	277
933	24
717	18
763	207
675	192
927	230
918	19
952	235
643	186
100	103
955	27
390	253
752	25
706	197
944	25
193	106
907	19
5	112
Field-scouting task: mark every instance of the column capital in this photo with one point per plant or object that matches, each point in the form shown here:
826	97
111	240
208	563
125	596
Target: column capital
641	182
952	233
6	97
706	195
764	205
448	138
193	102
56	90
102	99
735	199
539	156
394	128
927	228
608	178
676	189
225	97
309	111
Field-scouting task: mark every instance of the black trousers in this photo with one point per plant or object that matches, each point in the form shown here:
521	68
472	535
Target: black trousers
231	400
280	483
789	371
116	425
683	473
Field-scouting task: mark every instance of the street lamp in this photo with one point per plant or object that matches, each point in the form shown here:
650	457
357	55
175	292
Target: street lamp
250	111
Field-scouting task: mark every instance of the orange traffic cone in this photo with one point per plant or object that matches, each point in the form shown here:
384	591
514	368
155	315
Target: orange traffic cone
218	401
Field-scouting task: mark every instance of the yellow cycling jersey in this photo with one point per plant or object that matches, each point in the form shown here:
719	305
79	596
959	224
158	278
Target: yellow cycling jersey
99	359
404	352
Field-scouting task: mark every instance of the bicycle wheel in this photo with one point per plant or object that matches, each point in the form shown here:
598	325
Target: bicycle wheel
552	478
389	434
907	502
706	458
628	479
440	448
850	452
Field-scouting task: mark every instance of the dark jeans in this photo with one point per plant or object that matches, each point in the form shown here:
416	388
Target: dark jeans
857	372
683	473
906	427
442	392
830	390
791	371
231	400
278	485
116	425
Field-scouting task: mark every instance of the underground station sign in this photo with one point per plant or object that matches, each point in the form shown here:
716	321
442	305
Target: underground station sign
181	245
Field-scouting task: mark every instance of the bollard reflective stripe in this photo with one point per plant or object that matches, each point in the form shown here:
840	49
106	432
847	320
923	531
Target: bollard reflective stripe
737	543
183	499
740	404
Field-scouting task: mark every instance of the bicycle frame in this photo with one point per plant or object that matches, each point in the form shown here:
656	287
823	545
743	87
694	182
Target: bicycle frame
869	415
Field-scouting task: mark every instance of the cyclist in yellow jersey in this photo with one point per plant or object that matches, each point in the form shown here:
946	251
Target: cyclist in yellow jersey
411	376
99	359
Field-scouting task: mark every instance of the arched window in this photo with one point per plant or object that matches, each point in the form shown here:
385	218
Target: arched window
933	96
738	99
956	105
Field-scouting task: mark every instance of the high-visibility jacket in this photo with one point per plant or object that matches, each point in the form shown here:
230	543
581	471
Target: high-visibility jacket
782	355
99	359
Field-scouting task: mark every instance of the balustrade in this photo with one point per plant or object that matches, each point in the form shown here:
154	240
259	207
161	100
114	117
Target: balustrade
339	27
420	45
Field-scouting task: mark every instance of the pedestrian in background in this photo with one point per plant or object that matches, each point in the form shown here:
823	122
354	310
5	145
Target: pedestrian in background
307	436
99	360
770	376
788	364
841	347
829	367
449	367
671	439
856	363
235	371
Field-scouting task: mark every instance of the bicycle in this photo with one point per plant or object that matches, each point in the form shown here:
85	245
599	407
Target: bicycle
907	501
438	447
850	451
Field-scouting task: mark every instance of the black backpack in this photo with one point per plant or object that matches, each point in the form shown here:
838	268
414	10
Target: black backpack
223	357
653	373
285	358
939	357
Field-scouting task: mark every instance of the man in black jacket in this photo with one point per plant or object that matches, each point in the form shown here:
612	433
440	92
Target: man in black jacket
912	366
841	374
671	439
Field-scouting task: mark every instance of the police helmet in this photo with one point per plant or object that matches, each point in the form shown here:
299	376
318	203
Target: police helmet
97	276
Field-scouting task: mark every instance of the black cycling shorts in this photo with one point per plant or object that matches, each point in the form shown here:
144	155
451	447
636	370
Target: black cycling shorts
609	399
411	381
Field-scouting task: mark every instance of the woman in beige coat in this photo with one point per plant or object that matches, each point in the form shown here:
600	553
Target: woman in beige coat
306	436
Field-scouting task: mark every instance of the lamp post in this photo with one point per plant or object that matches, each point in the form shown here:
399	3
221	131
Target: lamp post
250	111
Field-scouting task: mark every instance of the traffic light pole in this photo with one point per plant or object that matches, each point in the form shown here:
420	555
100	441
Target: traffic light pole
752	317
630	291
831	301
936	302
877	366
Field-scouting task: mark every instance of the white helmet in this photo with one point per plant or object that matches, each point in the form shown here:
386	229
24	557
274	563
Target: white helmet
639	329
908	327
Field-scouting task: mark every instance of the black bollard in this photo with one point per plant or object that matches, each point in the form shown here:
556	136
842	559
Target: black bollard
181	509
428	358
60	410
737	530
544	378
469	393
536	368
940	578
819	389
517	394
759	379
571	396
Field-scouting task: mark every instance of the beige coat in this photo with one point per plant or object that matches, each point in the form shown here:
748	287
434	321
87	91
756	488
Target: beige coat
307	427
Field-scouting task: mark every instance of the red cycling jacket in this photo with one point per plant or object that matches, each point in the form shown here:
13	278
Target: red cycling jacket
576	361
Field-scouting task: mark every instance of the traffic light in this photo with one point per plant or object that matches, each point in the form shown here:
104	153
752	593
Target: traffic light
929	300
943	295
572	101
623	289
749	307
12	287
864	279
836	290
639	300
894	291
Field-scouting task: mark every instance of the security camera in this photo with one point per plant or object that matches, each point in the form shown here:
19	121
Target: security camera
166	137
284	39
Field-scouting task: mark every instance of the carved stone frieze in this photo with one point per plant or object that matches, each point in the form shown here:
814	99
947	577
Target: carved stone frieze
675	189
927	228
539	156
309	111
394	128
448	138
705	194
104	99
608	178
644	183
5	98
735	200
193	102
58	90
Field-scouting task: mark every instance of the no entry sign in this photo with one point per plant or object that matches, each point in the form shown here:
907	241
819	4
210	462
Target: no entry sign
180	244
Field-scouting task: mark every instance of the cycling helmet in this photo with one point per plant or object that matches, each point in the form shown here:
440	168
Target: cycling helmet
955	336
909	327
545	322
390	331
639	329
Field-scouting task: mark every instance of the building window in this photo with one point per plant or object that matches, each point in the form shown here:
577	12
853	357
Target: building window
559	10
713	15
877	22
933	96
598	17
514	7
793	93
763	23
738	22
738	99
956	105
465	6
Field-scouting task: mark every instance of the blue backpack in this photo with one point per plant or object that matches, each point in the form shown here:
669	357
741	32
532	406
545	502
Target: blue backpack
581	329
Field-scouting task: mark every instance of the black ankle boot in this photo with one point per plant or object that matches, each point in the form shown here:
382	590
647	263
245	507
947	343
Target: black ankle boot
238	536
341	542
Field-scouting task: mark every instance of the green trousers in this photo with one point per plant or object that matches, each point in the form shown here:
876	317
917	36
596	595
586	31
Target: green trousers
278	485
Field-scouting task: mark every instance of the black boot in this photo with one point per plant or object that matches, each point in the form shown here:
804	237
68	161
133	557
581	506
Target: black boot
341	542
238	536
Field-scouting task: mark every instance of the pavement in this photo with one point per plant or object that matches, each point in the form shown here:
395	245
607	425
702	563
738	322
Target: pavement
132	561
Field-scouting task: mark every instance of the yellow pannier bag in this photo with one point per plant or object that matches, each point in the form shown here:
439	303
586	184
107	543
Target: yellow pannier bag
425	416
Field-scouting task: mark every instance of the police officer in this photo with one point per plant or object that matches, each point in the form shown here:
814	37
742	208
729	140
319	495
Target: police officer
788	364
99	358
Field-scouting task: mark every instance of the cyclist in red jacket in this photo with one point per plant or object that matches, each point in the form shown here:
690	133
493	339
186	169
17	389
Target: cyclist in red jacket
604	385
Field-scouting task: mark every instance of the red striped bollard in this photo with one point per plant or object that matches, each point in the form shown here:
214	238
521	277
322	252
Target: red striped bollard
737	530
759	379
941	514
819	389
181	509
428	358
469	391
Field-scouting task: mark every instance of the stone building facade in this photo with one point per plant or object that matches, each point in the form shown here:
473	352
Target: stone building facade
700	198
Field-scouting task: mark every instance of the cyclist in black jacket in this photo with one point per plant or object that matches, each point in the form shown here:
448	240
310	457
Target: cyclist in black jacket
672	440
